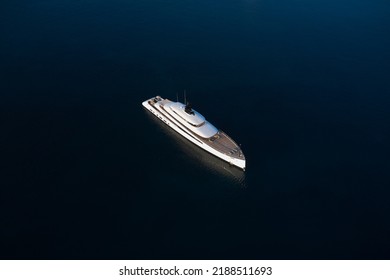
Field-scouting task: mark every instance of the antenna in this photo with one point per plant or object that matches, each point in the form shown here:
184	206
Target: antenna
177	97
185	98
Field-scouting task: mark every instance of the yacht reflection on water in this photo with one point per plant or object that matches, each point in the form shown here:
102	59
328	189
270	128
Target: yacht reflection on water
201	157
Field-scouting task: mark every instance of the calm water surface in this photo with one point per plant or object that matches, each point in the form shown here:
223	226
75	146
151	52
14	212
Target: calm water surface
87	173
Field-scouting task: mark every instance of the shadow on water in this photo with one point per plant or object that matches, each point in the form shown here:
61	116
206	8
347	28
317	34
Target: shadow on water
202	158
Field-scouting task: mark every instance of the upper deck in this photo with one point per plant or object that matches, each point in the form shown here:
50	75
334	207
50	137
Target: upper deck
194	118
193	121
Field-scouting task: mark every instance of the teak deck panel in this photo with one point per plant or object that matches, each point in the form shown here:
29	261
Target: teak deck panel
225	145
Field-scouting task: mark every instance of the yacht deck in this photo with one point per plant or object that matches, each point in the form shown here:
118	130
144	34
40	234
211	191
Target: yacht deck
223	143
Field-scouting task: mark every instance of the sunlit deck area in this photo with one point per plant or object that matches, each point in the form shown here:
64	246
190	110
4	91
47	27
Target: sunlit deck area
223	143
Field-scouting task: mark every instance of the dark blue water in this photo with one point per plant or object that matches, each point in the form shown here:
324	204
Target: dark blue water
303	85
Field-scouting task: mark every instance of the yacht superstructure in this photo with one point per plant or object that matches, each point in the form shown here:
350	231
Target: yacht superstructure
194	127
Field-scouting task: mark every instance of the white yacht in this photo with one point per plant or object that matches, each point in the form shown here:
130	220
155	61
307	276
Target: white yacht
194	127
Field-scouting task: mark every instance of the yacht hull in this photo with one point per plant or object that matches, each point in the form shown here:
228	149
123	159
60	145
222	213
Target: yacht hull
181	129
